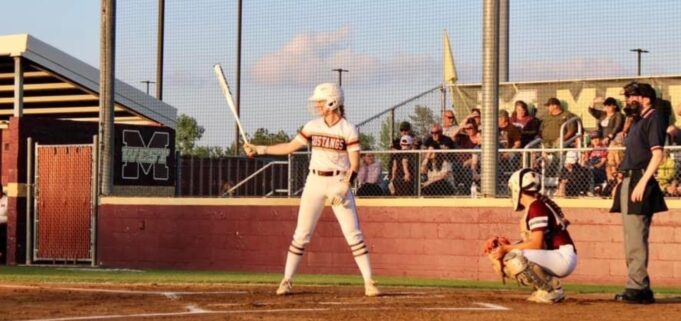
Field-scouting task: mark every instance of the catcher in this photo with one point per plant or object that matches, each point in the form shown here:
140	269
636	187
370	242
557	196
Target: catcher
546	251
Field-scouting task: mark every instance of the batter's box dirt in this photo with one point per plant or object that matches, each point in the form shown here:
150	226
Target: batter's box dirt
257	302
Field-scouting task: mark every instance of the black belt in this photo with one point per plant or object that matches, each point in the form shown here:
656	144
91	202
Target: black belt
326	173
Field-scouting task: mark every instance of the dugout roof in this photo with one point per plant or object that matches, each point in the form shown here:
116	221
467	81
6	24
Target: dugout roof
58	85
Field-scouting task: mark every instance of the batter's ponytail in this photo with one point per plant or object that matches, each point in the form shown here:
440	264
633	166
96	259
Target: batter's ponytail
341	110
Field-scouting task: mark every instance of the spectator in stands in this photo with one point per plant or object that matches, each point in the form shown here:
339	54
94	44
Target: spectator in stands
528	124
666	175
554	118
673	131
438	173
596	160
475	116
509	138
369	175
449	124
437	139
3	225
574	179
610	120
469	138
403	169
509	135
405	129
614	159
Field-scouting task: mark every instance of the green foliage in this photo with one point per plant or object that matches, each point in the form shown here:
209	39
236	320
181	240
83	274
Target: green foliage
263	137
422	120
187	132
367	141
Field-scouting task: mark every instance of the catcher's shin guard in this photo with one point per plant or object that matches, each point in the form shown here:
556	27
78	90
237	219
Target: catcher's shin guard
527	273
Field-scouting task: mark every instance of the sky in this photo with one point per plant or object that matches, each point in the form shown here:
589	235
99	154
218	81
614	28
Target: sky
393	49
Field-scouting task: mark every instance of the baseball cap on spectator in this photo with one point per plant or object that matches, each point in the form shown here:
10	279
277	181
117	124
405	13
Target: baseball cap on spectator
639	89
406	140
552	101
503	113
405	125
595	134
571	157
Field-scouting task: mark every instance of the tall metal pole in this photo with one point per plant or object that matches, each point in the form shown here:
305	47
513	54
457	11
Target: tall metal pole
106	92
639	51
340	75
160	41
490	95
147	82
503	40
238	75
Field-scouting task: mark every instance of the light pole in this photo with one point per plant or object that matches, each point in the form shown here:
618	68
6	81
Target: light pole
147	82
340	72
639	51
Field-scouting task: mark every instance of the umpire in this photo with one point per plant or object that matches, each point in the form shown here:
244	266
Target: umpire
638	196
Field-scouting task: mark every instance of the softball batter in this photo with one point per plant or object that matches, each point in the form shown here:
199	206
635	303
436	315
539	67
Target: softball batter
333	168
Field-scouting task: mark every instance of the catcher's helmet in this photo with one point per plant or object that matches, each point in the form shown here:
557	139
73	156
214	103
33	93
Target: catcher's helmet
523	180
331	93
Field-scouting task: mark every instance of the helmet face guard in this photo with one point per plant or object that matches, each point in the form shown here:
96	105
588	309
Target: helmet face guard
523	180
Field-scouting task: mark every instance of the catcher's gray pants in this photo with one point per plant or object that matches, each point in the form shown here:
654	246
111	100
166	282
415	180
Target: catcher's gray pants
636	231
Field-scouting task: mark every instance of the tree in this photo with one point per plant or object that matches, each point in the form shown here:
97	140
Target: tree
367	141
422	120
263	137
187	132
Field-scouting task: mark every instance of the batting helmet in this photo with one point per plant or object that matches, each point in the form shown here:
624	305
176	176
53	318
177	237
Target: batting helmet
523	180
331	93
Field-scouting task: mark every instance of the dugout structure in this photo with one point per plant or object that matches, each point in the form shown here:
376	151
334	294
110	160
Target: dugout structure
49	113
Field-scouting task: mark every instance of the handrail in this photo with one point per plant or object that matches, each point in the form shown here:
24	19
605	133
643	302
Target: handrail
571	139
535	142
245	180
364	122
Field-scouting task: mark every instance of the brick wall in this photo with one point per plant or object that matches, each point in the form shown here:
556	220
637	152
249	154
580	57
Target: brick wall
440	242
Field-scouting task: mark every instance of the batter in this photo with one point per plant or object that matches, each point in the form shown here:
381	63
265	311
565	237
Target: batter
333	168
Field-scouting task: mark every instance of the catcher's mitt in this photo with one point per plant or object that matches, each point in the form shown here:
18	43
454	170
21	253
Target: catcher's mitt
491	249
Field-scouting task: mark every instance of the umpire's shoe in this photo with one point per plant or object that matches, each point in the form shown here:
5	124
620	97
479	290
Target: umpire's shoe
636	296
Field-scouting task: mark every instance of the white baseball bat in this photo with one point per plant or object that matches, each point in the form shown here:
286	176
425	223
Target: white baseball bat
228	96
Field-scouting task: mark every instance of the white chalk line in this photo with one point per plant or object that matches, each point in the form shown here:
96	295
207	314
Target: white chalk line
194	310
168	294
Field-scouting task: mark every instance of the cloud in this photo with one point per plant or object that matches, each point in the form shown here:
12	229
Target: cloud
308	58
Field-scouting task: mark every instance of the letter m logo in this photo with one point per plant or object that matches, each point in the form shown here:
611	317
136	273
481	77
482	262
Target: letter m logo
140	156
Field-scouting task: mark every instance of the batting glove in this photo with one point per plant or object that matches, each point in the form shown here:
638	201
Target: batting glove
252	150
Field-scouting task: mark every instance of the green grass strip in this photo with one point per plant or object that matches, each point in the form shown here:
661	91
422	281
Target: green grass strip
33	274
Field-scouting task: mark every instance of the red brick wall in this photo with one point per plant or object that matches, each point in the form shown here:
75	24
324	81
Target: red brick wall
435	242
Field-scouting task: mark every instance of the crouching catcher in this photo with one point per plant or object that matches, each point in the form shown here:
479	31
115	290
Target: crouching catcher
546	251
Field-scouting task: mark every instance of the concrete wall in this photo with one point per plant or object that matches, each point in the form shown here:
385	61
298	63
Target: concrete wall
427	238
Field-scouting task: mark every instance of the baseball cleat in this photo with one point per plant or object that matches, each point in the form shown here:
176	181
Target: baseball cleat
541	296
285	287
370	289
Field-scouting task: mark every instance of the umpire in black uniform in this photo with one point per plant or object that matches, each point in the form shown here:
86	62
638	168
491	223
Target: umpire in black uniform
639	196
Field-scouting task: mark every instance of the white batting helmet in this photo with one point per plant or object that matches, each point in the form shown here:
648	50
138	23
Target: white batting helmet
331	93
523	180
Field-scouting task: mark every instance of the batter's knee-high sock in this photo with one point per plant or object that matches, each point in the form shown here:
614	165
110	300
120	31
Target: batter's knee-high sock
361	253
295	255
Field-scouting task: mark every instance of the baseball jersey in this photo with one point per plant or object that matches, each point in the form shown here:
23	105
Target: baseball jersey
330	144
540	218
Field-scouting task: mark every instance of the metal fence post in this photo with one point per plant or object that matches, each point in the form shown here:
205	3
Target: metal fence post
29	196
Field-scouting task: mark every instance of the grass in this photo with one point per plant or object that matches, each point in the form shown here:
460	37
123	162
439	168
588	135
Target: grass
23	274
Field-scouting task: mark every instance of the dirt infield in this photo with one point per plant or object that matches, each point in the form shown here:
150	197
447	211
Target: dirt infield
257	302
